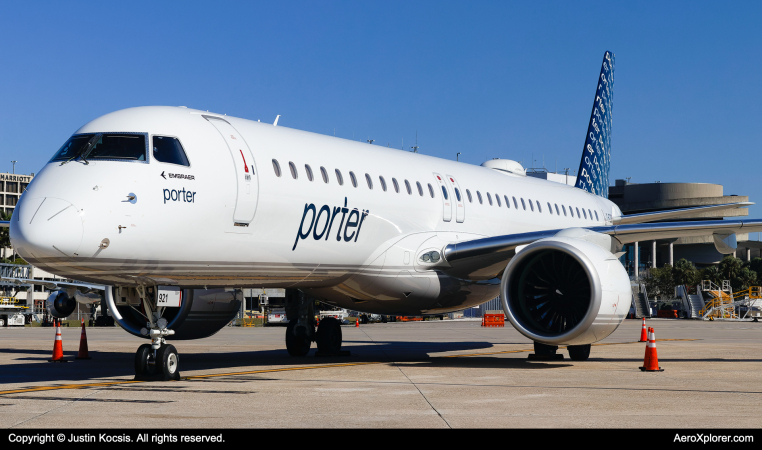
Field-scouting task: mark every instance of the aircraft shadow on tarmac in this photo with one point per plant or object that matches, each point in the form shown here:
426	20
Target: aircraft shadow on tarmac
104	364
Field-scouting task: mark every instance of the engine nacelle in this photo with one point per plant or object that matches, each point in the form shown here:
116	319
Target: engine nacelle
60	305
564	290
202	312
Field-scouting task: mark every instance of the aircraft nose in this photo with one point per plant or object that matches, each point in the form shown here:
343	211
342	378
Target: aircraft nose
46	227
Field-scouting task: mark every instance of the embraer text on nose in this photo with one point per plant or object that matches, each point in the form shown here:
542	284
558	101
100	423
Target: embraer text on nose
319	228
174	195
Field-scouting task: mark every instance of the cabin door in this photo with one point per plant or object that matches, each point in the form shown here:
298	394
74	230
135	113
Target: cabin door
245	173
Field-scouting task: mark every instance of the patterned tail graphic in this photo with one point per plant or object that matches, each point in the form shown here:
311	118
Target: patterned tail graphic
593	173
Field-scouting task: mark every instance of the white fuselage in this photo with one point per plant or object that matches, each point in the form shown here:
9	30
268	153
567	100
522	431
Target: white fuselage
215	224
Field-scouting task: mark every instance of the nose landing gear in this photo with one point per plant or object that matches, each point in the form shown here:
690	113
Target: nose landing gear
157	361
159	365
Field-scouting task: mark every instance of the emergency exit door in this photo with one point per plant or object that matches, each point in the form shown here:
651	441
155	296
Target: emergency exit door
246	175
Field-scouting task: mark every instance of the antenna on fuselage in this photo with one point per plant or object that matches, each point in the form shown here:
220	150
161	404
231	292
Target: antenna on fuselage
275	124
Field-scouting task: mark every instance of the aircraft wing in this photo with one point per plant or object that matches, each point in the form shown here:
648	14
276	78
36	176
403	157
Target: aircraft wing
484	259
84	287
674	213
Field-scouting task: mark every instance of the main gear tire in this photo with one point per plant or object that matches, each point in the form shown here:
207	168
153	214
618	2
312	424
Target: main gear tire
328	336
296	345
579	352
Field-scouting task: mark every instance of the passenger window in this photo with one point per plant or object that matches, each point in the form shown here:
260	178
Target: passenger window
479	196
396	185
515	204
444	192
308	169
457	194
353	178
168	150
420	189
558	212
292	168
276	168
531	207
468	193
564	208
584	213
383	183
507	203
339	178
407	186
550	208
523	205
591	214
489	199
596	215
497	197
539	208
578	216
431	191
370	182
571	211
324	173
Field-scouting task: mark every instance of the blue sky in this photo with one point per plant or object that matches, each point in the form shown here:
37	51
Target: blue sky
487	79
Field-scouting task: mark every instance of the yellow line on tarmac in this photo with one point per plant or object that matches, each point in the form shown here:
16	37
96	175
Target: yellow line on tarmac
249	372
114	383
284	369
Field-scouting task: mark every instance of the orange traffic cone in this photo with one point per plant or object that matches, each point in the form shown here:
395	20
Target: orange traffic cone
483	324
651	360
643	336
58	346
357	324
83	344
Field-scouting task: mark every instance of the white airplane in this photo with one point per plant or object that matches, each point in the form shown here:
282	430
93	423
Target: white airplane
170	211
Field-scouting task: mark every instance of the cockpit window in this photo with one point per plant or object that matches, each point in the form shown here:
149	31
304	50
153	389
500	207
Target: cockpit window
114	146
169	150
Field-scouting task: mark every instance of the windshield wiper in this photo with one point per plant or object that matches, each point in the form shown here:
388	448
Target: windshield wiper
85	149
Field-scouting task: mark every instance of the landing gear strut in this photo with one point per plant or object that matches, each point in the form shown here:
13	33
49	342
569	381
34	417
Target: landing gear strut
157	361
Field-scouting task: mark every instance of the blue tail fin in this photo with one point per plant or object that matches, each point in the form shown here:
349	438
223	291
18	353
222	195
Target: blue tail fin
593	173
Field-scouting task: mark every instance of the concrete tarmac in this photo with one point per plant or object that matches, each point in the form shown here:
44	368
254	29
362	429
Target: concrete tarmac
422	374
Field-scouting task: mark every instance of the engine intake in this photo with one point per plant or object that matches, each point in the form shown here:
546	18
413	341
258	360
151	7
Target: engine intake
565	291
60	305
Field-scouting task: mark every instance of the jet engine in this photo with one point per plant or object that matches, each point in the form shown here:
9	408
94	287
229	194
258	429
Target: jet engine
202	312
566	290
60	305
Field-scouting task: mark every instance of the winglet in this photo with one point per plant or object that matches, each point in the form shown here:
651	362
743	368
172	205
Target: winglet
593	173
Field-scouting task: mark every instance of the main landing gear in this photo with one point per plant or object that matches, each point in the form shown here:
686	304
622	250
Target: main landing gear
300	332
545	352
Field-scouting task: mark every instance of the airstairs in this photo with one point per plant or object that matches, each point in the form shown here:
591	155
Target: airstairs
693	303
640	300
719	301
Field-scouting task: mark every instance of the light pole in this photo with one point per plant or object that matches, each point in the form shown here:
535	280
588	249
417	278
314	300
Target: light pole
14	166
